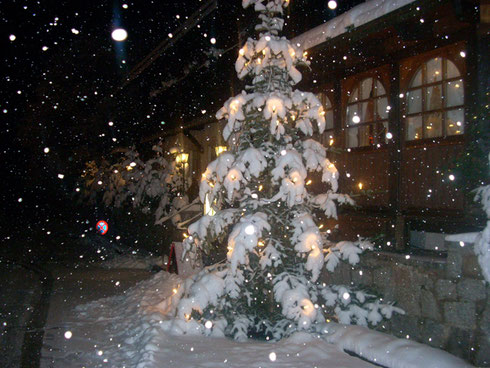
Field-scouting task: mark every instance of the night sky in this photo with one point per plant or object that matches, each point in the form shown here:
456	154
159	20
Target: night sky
63	82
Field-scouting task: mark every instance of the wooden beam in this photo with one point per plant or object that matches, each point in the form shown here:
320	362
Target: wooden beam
194	141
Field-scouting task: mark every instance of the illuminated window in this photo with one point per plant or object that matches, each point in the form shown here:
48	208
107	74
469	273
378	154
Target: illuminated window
327	137
435	101
367	114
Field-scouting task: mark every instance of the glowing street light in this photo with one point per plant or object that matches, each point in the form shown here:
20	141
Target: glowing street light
119	34
182	158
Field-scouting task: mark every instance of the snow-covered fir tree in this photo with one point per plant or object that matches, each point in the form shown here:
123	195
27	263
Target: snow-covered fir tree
267	285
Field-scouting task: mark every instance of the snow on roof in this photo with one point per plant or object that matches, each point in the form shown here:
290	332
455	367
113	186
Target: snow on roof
355	17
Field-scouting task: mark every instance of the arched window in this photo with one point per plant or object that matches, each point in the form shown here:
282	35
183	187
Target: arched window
367	114
327	137
435	101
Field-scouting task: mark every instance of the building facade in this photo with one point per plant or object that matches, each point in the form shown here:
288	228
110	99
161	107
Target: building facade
403	87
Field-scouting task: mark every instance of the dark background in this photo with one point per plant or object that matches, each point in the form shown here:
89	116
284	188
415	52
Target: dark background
64	96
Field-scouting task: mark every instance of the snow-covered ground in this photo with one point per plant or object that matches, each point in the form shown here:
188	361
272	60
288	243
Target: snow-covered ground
133	261
126	331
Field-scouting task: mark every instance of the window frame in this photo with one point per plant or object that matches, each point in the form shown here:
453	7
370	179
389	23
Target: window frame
424	113
376	122
327	138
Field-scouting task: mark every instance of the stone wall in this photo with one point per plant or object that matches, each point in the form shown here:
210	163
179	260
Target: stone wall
446	301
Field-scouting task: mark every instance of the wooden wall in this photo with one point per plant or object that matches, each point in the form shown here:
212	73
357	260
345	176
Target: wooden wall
369	167
422	184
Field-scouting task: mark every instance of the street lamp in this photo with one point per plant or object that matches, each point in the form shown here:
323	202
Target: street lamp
181	160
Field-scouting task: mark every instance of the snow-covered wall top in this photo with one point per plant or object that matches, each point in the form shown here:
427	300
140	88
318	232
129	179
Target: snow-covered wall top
357	16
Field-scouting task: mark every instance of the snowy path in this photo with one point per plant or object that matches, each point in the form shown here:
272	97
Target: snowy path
73	287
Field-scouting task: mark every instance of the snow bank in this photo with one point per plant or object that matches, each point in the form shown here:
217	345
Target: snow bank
357	16
126	331
481	242
126	328
387	350
464	237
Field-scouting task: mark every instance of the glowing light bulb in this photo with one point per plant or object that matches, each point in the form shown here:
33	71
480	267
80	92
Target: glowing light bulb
332	4
234	106
356	119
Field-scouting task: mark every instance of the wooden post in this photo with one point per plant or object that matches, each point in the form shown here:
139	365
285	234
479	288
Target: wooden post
395	127
337	112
